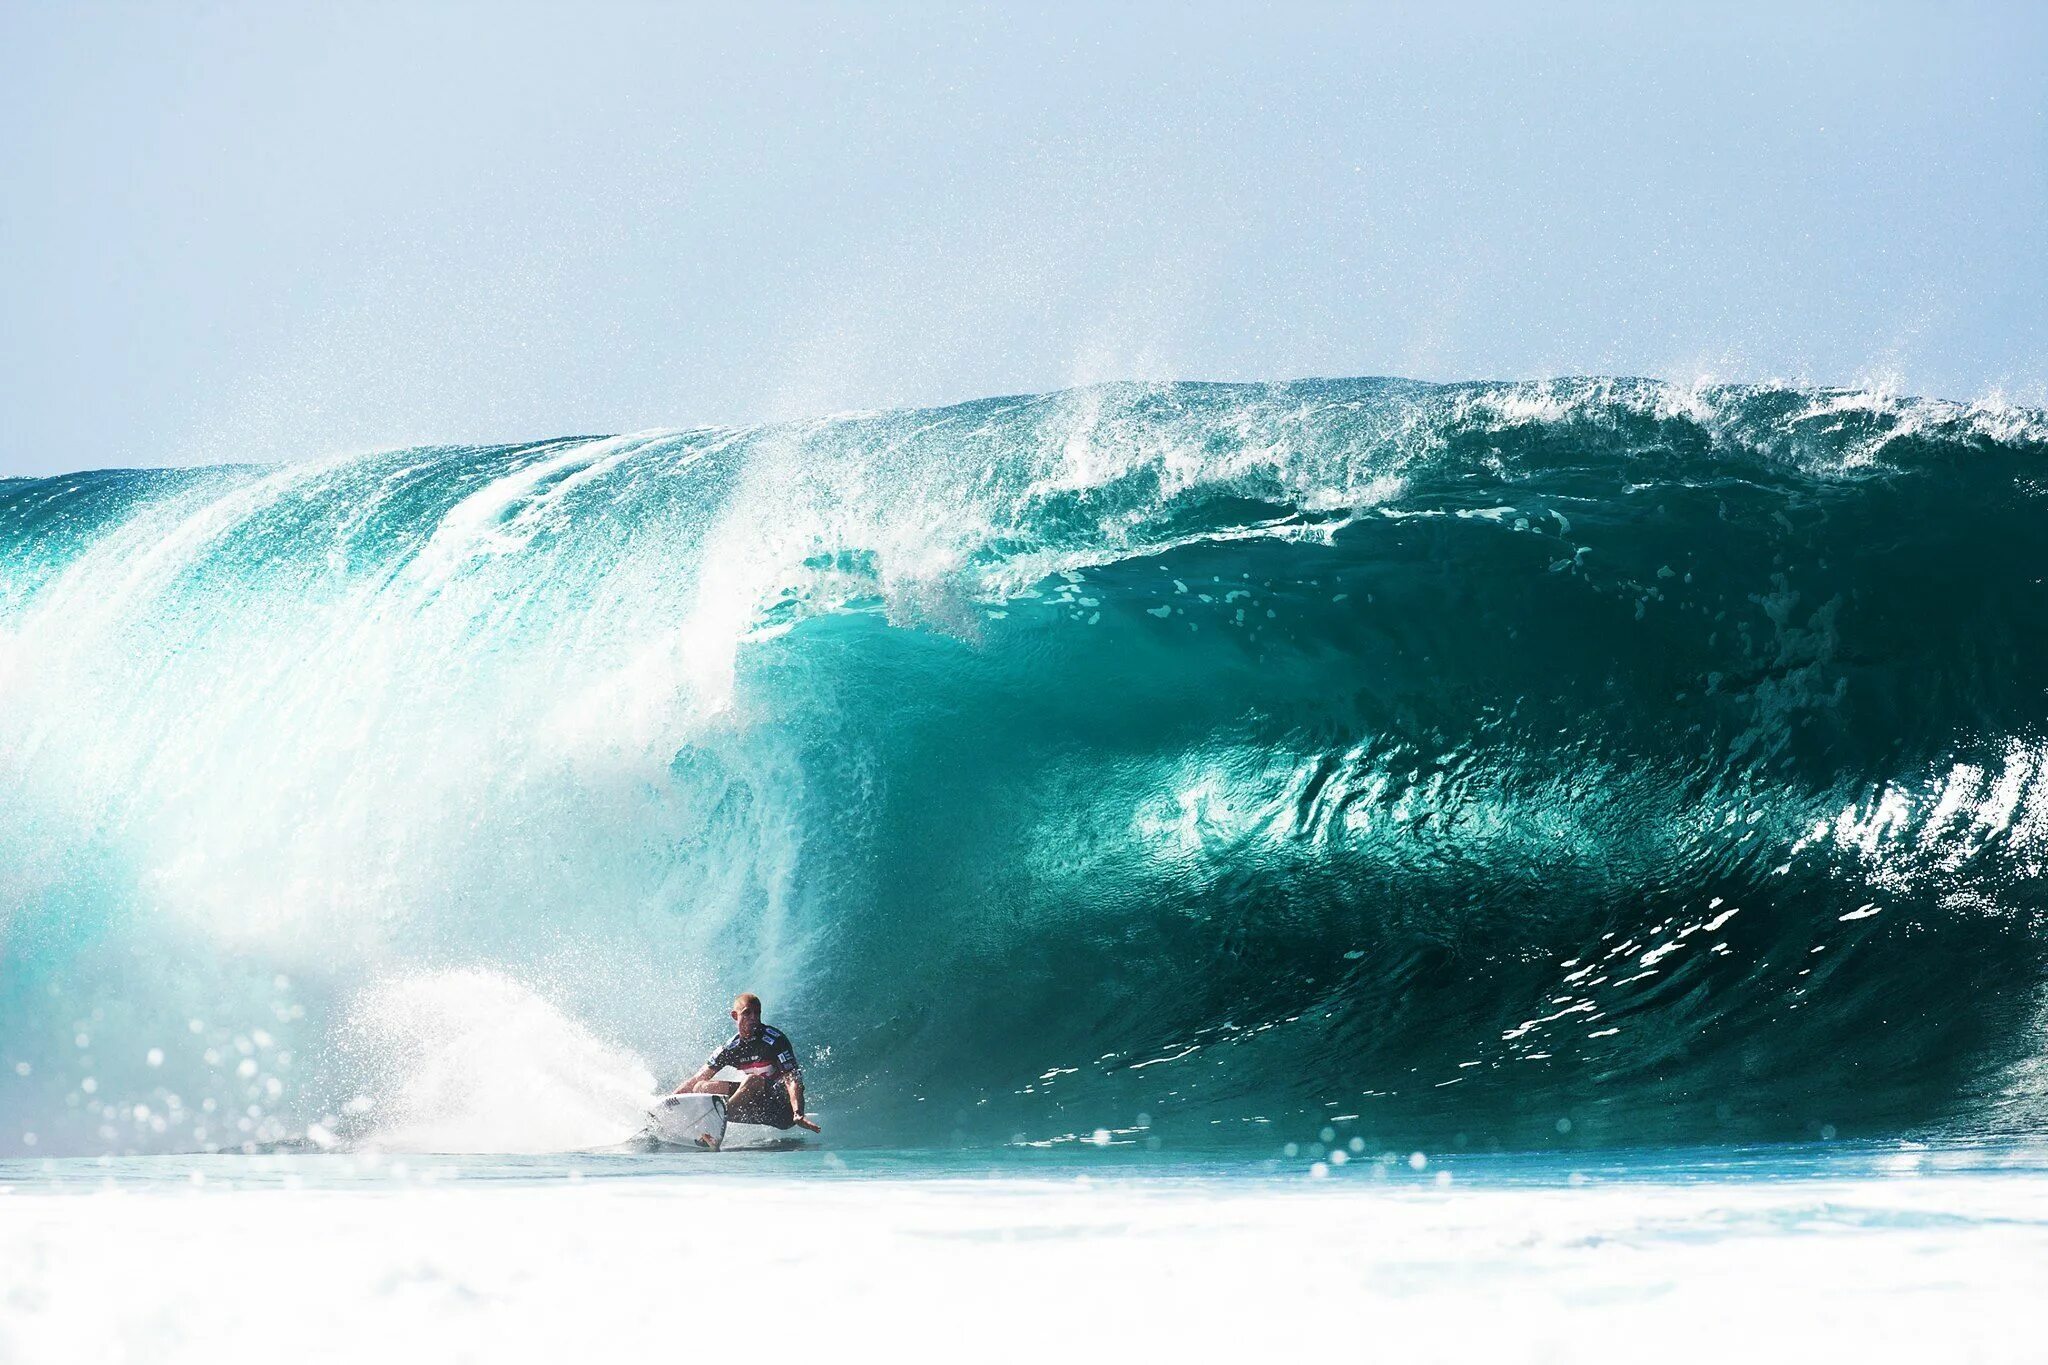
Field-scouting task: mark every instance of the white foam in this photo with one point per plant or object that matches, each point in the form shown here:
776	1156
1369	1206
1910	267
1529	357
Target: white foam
472	1061
1914	1267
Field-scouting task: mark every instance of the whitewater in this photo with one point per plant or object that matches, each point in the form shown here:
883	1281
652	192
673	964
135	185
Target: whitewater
1331	848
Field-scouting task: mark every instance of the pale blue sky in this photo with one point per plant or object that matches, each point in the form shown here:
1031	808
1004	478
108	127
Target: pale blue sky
252	231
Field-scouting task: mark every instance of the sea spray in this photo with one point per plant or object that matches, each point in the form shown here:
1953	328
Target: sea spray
469	1061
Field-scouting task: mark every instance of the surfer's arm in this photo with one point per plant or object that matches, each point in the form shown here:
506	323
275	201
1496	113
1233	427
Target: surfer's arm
701	1082
793	1082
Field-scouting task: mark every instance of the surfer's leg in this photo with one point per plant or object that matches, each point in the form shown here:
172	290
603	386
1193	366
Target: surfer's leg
743	1098
759	1100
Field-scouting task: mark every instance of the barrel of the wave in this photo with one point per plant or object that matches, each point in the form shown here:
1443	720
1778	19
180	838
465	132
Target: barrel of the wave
1170	762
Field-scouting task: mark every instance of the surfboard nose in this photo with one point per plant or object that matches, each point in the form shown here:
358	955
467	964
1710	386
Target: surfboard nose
689	1120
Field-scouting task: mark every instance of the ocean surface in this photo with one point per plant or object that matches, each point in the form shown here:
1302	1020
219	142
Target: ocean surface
1628	801
1886	1251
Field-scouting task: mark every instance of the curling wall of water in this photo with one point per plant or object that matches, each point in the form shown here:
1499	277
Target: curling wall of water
1586	760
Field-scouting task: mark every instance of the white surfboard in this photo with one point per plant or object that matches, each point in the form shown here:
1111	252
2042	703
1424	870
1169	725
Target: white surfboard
689	1120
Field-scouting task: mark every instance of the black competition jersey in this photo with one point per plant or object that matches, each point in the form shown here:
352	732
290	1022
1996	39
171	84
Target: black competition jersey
769	1055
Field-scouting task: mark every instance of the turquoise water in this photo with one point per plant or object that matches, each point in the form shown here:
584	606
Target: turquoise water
1553	767
1789	1165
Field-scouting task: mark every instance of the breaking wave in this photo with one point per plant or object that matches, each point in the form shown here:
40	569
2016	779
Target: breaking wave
1506	763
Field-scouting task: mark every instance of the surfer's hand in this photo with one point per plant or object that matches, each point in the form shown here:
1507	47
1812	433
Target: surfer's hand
805	1121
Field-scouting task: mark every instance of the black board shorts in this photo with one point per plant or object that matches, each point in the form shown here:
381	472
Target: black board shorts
768	1105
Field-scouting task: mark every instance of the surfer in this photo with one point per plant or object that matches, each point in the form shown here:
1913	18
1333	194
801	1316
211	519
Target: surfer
772	1092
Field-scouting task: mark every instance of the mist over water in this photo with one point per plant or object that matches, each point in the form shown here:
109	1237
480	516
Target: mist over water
1578	761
